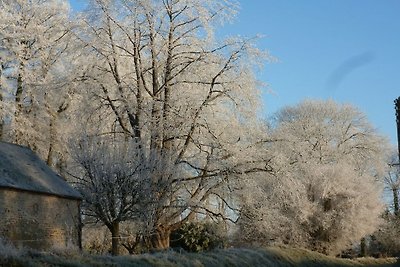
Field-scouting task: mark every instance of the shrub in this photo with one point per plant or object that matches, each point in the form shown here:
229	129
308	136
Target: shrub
385	241
198	236
96	240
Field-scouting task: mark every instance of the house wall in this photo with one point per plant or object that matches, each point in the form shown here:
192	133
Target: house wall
39	221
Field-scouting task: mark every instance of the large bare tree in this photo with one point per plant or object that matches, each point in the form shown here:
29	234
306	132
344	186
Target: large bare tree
157	77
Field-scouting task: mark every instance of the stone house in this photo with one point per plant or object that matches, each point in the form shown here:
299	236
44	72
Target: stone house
38	208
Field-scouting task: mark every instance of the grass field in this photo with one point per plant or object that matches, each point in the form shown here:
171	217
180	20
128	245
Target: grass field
272	256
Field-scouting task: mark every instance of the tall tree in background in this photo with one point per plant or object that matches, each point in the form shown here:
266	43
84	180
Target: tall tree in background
385	240
392	180
34	40
157	78
324	193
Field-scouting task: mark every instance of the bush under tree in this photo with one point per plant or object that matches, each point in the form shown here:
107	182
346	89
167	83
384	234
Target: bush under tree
198	236
385	242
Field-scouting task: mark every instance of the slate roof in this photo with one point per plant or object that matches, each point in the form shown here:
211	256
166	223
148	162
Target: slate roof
22	169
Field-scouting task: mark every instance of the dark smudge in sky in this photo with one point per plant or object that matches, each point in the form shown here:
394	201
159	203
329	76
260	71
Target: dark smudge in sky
348	66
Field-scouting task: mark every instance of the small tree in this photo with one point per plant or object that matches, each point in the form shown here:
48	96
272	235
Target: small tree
110	180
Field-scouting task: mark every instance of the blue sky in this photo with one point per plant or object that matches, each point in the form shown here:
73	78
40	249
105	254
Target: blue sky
346	50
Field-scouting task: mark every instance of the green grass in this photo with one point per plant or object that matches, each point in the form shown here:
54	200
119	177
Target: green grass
272	256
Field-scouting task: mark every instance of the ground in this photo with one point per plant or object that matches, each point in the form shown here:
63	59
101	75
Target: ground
272	256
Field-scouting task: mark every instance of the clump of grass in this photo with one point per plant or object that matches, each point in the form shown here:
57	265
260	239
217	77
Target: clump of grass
68	252
386	262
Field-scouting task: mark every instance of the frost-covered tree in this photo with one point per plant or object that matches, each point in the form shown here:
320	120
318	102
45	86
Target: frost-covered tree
110	179
154	74
324	192
34	40
392	180
385	241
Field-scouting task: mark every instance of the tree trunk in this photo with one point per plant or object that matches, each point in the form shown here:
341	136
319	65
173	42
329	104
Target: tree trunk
50	153
1	112
156	123
167	142
160	239
396	201
115	238
363	247
19	104
396	190
156	130
1	106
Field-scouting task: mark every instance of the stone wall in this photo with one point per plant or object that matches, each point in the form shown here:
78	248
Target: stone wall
39	221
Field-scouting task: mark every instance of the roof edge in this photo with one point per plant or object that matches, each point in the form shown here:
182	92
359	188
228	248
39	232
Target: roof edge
41	193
